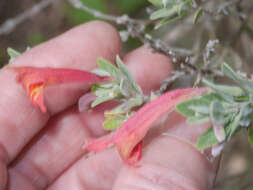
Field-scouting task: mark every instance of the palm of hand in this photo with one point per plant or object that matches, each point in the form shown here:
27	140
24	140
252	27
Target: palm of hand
44	151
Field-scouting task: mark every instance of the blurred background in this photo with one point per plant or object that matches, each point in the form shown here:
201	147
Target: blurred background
237	166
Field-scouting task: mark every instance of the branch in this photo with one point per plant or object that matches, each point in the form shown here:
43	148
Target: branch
136	28
9	25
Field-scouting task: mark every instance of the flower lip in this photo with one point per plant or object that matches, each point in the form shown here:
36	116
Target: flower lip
34	80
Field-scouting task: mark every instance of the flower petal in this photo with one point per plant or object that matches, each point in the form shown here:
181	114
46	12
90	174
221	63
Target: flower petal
130	134
34	80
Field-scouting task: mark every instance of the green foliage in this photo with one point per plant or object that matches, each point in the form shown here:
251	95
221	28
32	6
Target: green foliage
197	15
250	135
228	108
122	87
243	82
158	3
170	10
12	53
207	139
113	123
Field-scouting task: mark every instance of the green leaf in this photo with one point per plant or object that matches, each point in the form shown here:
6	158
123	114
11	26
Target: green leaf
125	107
13	54
166	21
101	72
197	15
190	107
128	77
243	82
250	136
113	123
207	139
201	105
105	94
158	3
197	119
217	113
109	68
231	90
164	12
100	100
246	117
234	124
226	92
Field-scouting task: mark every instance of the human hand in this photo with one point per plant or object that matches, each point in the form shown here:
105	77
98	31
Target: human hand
45	151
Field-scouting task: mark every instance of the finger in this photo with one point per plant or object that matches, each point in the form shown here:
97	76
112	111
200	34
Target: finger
78	48
54	160
171	161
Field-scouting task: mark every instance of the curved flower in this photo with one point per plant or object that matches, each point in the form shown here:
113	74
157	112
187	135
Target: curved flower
34	80
128	137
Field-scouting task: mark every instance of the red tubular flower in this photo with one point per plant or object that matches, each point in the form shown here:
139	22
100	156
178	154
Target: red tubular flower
128	137
34	80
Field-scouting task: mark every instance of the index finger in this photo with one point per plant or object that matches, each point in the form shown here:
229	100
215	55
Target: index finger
77	49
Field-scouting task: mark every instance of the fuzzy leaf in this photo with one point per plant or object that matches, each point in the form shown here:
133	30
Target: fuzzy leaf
217	115
197	119
170	12
217	112
100	100
246	118
109	68
13	54
228	93
234	124
125	107
190	108
101	72
113	123
207	139
247	85
128	77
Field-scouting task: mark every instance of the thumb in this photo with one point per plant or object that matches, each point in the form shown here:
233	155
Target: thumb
171	162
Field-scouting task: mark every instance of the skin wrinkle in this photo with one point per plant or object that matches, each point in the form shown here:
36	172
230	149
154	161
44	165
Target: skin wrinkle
4	157
39	179
158	179
55	146
166	174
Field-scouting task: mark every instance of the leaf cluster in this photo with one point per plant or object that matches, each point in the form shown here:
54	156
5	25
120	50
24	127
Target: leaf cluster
123	87
229	108
172	10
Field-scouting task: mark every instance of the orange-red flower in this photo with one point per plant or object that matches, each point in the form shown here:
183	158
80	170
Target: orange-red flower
128	137
34	80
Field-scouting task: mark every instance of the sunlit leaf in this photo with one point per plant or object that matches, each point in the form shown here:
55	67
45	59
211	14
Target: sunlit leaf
113	123
109	68
13	54
128	76
207	139
197	15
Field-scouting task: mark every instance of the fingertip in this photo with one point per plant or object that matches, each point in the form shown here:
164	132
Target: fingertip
168	163
77	48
